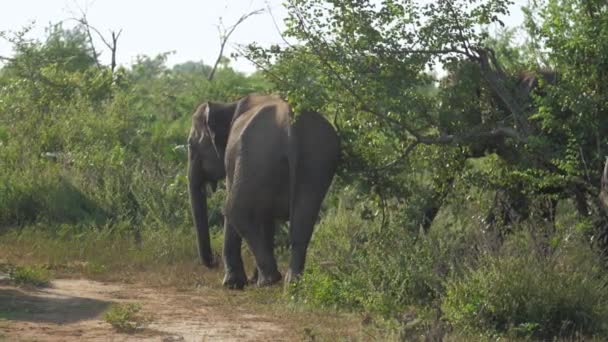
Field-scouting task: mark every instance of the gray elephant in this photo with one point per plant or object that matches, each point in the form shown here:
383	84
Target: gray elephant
274	169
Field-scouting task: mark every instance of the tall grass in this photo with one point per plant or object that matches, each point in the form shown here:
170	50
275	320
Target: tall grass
522	293
167	256
525	288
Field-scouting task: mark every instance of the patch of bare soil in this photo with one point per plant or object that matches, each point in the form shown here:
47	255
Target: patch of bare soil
72	310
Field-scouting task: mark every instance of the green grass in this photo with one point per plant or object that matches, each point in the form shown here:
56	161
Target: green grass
524	295
106	253
125	317
452	279
30	275
166	259
405	285
3	322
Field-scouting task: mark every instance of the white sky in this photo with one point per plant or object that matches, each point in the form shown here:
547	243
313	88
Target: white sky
188	27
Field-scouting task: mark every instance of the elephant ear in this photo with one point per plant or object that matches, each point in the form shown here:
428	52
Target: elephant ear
218	122
199	123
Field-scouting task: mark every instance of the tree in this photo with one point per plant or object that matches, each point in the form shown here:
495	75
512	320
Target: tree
367	64
61	67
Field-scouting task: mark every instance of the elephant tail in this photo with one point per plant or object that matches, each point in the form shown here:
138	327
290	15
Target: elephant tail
293	166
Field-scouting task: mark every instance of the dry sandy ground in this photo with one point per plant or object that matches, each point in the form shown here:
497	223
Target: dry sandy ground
72	310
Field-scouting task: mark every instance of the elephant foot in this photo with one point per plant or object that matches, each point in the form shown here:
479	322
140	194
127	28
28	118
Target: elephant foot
292	277
234	280
210	261
254	277
268	280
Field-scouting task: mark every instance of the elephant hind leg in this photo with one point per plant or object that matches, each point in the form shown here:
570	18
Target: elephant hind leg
269	231
306	211
256	235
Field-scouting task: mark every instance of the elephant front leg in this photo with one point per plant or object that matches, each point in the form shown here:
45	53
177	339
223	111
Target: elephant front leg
235	277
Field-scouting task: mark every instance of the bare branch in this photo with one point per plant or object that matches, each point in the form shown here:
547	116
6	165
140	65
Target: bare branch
400	159
496	80
8	59
225	35
259	66
112	46
460	28
85	22
276	26
471	137
436	52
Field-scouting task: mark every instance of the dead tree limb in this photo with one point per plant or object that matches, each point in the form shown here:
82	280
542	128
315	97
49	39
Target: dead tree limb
7	59
84	21
113	48
225	34
276	25
112	44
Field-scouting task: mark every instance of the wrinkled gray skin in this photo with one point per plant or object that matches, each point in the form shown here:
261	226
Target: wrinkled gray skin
274	171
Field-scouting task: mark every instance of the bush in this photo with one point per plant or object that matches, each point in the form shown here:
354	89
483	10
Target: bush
30	275
125	317
95	146
525	295
357	264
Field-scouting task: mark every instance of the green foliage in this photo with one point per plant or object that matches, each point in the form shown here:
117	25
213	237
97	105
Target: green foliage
360	265
365	64
30	275
466	158
533	285
91	250
432	174
523	295
80	144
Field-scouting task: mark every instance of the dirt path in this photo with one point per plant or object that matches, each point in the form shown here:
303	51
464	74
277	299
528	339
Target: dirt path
72	310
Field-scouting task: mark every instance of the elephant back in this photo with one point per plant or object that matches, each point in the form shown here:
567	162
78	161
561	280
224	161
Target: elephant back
253	101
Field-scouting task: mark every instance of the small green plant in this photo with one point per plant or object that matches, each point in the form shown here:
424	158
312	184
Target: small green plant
125	317
30	275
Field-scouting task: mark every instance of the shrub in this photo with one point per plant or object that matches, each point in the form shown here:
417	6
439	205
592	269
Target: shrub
30	275
125	317
523	294
359	265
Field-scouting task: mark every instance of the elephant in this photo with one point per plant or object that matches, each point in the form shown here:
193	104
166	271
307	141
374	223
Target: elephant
276	169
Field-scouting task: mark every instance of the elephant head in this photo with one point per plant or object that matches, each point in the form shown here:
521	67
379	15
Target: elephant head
206	149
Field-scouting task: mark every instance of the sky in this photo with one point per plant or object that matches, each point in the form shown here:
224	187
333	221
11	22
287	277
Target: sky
150	27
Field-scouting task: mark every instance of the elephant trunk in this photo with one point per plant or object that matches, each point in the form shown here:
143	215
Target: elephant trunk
198	200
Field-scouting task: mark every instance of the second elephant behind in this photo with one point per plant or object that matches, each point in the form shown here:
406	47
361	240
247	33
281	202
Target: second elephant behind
274	170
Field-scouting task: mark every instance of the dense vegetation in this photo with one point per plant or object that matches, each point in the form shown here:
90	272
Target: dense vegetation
465	204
